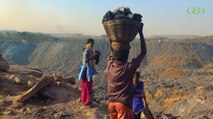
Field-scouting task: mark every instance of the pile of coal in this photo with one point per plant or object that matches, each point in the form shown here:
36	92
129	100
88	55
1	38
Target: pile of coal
122	13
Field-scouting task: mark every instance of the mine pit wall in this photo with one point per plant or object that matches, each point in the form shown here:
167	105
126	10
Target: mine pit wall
64	56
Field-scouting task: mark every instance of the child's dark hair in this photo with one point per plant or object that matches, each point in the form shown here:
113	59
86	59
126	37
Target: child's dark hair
121	55
137	75
90	41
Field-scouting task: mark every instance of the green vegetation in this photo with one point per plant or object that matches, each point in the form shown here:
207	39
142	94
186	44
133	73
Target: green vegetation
26	36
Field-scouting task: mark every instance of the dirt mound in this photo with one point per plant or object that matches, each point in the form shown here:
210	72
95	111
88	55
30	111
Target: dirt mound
185	97
174	61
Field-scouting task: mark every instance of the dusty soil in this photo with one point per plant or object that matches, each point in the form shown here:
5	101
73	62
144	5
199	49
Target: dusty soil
66	106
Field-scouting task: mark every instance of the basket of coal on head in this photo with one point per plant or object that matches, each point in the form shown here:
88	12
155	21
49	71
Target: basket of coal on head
121	27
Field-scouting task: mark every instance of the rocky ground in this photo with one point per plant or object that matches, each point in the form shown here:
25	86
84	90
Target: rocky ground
66	106
183	93
168	99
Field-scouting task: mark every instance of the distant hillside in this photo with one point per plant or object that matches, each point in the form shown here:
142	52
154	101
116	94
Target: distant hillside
25	36
63	54
7	31
48	52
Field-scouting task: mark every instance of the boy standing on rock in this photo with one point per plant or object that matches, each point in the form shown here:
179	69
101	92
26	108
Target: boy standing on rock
120	83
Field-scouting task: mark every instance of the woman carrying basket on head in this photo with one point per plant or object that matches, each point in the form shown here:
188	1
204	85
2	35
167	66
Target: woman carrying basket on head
87	70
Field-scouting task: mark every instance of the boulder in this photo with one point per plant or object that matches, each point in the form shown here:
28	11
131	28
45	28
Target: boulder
36	88
31	82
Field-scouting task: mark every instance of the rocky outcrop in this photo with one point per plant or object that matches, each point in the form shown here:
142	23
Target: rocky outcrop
51	97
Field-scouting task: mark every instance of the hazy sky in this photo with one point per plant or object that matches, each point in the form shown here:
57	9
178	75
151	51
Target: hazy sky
160	17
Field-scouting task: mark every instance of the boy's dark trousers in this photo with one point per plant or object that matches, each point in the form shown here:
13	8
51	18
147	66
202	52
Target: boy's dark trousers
138	115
